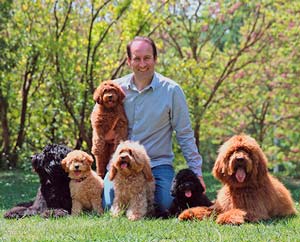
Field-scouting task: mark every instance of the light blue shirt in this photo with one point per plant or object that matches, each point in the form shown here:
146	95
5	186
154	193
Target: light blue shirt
153	114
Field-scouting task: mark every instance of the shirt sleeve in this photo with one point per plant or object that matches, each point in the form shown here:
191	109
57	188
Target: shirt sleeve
184	133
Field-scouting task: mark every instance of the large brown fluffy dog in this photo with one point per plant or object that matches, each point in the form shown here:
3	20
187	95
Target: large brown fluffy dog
109	123
249	193
85	186
133	181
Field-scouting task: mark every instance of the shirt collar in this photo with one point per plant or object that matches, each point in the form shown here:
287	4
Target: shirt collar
153	84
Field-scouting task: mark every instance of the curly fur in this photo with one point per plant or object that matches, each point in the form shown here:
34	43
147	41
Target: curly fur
53	196
86	186
133	181
249	192
187	192
109	123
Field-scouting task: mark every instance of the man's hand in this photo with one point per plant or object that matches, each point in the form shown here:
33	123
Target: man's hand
202	183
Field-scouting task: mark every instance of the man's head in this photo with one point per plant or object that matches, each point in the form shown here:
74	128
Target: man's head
144	39
141	57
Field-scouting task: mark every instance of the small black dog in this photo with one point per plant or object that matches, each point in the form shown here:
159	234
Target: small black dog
187	192
53	197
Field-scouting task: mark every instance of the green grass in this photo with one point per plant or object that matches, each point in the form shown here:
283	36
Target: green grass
18	187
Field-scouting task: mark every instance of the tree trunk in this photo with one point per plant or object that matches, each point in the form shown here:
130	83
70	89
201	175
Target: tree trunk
5	153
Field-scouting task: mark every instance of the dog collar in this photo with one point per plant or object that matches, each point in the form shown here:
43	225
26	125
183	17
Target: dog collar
80	179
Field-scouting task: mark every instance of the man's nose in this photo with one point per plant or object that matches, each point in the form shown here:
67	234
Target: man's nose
142	63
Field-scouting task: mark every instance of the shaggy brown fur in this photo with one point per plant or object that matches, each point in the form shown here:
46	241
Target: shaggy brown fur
249	193
133	181
85	186
109	123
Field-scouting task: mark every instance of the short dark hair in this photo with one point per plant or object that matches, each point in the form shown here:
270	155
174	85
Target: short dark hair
145	39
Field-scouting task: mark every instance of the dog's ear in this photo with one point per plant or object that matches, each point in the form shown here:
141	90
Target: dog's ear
88	159
112	172
225	151
260	162
148	172
219	167
64	164
121	93
173	187
97	96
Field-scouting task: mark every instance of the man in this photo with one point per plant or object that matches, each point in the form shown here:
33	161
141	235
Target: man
155	107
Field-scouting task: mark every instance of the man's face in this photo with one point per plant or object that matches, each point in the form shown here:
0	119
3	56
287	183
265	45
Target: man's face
142	61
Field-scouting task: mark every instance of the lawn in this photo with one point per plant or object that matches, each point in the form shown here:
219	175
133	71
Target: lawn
17	187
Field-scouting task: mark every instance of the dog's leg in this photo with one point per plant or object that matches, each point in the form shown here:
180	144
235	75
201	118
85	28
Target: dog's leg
137	207
99	151
23	210
116	208
76	207
97	205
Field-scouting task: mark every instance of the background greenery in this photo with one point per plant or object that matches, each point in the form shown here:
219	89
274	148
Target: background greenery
237	61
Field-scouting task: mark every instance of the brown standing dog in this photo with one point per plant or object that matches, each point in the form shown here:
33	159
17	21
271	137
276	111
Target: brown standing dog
109	123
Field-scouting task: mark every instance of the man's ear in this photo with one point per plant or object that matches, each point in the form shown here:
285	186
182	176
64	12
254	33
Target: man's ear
128	61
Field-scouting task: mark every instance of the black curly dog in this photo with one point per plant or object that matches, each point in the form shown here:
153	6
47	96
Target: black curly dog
53	197
187	192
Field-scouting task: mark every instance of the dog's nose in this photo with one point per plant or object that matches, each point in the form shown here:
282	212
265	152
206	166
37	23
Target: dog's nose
239	159
110	97
76	167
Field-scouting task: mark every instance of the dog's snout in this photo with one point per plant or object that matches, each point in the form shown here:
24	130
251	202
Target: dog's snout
123	156
239	159
76	167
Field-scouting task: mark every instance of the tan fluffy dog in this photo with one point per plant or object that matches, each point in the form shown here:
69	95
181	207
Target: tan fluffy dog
109	123
133	181
249	193
85	186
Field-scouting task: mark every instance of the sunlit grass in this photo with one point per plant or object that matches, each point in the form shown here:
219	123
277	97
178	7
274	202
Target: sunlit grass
89	227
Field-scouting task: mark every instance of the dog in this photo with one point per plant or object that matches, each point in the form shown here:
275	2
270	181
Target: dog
53	196
109	123
187	192
133	181
249	192
86	186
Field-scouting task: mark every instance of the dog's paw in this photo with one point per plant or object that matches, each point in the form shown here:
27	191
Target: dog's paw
134	217
54	213
115	212
195	213
187	214
234	217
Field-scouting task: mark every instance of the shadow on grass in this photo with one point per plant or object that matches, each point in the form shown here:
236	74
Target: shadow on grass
17	186
293	185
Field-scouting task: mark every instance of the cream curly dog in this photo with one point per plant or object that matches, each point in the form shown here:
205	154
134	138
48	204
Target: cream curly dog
133	181
85	186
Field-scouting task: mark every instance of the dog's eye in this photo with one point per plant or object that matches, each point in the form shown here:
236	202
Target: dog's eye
130	152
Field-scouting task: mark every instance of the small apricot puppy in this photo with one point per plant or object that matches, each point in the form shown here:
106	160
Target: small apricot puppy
86	186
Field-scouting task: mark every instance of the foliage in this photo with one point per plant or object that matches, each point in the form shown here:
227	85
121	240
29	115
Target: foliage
236	61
